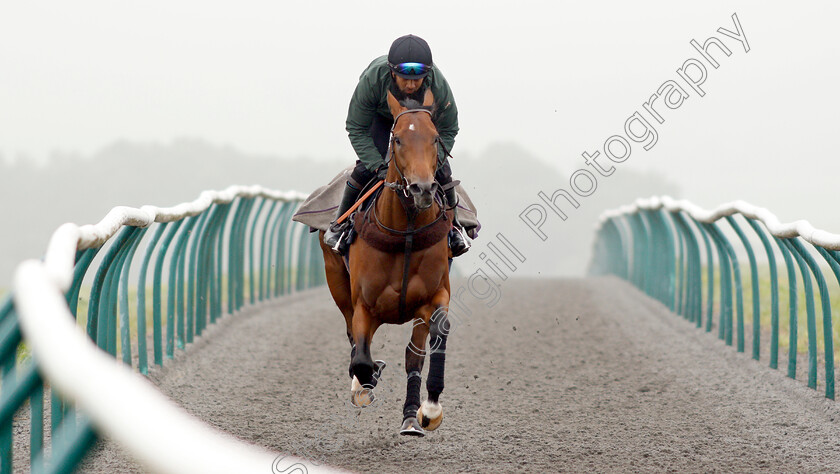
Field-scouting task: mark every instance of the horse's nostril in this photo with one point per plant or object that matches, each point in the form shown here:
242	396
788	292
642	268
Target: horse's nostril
420	188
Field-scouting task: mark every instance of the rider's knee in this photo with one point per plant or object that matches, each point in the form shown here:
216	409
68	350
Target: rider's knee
361	175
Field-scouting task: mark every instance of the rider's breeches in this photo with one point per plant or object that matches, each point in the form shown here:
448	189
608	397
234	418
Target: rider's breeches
360	176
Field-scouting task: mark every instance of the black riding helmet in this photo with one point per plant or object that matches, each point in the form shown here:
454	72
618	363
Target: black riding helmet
410	57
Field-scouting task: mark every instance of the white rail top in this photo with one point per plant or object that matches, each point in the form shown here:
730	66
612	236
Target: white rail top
800	228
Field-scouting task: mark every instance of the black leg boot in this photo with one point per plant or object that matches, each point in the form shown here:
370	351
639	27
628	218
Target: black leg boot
332	237
458	242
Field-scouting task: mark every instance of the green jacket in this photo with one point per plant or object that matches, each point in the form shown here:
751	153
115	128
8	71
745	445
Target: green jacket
370	98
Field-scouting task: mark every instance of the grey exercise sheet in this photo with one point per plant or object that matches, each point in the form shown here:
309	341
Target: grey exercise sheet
319	209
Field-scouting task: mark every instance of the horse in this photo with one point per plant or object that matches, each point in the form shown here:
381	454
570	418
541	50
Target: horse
405	280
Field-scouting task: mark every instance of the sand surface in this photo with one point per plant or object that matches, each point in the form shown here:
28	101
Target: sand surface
561	375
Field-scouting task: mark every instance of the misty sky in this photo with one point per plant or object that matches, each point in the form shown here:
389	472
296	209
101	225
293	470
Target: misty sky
557	77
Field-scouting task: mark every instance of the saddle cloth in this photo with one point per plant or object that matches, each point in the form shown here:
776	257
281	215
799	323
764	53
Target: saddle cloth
318	210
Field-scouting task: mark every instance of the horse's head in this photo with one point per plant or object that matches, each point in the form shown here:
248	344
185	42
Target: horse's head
414	148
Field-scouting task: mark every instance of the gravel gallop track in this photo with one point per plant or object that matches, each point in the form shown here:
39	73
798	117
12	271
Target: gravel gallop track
561	375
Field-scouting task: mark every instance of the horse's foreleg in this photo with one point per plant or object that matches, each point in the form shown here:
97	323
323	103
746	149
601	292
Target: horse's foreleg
415	354
431	413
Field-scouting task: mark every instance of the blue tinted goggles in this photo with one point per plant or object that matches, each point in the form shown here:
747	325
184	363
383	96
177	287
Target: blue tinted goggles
411	69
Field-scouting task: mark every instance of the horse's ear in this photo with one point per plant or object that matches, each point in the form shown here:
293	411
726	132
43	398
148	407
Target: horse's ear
394	105
429	99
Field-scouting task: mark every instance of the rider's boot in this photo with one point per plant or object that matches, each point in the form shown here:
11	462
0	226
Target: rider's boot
332	237
458	242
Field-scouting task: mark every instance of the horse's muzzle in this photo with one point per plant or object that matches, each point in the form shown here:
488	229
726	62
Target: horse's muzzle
423	194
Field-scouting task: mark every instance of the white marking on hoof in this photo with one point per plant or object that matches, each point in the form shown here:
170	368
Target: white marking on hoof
431	410
355	386
430	415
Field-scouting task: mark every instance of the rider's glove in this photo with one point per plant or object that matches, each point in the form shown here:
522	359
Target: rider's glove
382	172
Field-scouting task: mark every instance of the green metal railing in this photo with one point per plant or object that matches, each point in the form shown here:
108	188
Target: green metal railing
666	248
199	262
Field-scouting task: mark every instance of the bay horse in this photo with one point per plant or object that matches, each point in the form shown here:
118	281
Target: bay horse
406	279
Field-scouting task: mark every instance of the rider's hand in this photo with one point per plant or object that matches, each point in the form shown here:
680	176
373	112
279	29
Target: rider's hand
382	172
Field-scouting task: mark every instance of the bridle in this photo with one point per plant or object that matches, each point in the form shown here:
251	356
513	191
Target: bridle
403	184
410	210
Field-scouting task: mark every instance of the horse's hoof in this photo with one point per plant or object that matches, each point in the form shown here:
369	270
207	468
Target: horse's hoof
430	415
411	427
360	397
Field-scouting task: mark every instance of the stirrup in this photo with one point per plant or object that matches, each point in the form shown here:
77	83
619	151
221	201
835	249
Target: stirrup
337	245
339	230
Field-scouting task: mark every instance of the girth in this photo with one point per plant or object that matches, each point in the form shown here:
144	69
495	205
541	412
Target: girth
383	241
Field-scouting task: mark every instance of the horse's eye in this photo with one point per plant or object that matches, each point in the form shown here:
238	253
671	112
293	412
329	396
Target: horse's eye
397	140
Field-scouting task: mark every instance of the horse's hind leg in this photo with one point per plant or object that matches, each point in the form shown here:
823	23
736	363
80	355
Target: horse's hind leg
338	281
415	354
378	366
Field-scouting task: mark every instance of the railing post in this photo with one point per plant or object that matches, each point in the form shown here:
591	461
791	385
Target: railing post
774	294
756	331
125	327
826	317
810	313
252	280
157	295
793	305
195	274
142	351
725	323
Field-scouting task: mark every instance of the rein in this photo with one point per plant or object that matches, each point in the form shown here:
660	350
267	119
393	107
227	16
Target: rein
411	215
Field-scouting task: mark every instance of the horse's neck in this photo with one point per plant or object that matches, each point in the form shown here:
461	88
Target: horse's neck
391	211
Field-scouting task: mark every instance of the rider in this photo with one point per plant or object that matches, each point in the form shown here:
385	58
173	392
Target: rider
406	72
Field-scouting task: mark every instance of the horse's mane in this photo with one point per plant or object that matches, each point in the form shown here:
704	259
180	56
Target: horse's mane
412	104
411	101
